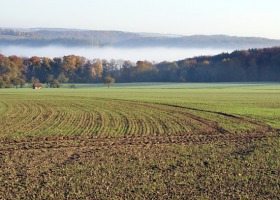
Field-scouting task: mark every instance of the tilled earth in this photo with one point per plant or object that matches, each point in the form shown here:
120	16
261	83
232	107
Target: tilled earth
176	166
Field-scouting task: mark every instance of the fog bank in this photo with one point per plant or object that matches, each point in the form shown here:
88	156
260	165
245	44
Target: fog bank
132	54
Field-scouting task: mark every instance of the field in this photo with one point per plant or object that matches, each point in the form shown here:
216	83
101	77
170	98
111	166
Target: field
156	141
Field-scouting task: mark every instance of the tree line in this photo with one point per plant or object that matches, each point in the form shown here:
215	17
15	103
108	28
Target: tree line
239	66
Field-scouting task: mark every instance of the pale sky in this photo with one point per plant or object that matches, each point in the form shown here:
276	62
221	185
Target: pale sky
185	17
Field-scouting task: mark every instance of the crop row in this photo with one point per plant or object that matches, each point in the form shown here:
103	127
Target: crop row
93	117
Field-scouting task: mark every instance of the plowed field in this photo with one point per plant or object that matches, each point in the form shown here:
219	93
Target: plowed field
140	143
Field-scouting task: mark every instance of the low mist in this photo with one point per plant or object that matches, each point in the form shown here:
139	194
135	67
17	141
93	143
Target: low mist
108	53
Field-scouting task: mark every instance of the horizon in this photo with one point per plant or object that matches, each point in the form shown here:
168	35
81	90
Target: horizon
151	18
246	18
141	32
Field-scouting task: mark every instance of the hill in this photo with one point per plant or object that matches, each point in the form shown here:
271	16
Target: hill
88	38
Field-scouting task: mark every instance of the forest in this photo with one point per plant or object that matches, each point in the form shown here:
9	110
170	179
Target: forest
251	65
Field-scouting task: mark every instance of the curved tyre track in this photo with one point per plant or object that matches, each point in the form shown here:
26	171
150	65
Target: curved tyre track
101	116
211	124
264	127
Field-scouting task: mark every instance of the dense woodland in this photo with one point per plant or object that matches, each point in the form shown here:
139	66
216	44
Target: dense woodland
238	66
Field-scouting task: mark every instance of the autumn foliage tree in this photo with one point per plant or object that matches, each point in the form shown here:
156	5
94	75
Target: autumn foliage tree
246	65
108	80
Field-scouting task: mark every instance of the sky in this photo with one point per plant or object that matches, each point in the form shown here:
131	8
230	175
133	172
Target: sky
258	18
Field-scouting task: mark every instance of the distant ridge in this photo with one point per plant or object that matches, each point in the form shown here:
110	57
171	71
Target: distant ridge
100	38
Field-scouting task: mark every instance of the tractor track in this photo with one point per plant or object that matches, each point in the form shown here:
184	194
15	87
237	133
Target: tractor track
262	126
208	132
